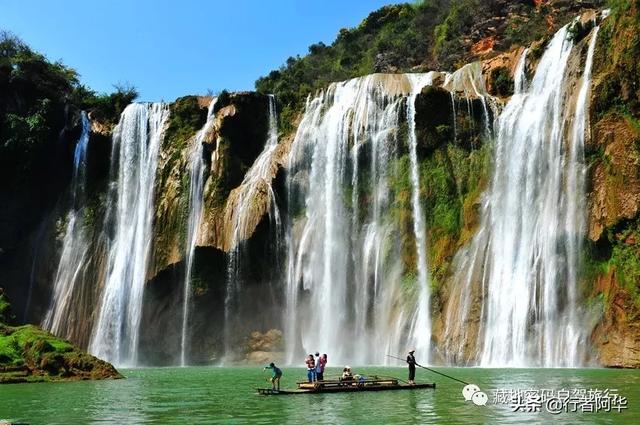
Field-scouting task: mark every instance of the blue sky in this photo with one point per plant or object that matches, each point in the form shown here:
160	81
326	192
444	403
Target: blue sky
172	48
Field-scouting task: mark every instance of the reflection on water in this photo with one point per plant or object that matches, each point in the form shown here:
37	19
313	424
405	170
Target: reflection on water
227	396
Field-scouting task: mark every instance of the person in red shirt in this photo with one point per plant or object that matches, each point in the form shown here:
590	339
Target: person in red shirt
320	364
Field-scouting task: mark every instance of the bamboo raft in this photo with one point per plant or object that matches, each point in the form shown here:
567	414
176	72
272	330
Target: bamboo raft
340	386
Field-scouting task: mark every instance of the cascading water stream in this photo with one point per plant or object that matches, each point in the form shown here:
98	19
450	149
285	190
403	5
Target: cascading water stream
196	168
420	334
59	319
575	224
136	143
519	76
524	256
344	287
525	222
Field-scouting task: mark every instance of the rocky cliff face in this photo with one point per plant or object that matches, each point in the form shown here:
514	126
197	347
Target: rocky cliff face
614	193
231	146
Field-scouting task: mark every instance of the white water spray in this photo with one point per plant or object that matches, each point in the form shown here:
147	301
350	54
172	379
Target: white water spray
60	319
136	143
344	270
525	253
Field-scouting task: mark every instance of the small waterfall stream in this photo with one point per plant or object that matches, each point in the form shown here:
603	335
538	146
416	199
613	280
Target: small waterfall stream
196	168
136	143
575	220
420	334
60	319
240	212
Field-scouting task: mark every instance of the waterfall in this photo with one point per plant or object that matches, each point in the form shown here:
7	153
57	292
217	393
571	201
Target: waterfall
420	335
575	220
519	76
344	286
196	168
136	143
524	256
59	318
240	212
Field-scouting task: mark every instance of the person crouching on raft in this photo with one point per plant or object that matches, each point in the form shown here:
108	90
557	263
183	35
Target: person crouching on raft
411	361
311	368
277	374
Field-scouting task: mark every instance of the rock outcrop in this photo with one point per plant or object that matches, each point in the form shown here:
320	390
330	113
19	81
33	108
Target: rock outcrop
29	354
614	174
613	199
231	147
617	336
263	348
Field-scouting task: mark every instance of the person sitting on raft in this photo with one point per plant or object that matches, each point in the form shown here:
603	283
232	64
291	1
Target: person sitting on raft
311	368
277	374
346	374
359	379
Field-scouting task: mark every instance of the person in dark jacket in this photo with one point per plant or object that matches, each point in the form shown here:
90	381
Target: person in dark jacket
411	361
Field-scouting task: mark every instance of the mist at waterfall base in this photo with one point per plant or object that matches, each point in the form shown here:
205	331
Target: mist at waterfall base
343	288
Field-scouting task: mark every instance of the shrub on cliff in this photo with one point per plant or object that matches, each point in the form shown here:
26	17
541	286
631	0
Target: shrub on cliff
428	34
5	309
106	107
36	96
393	38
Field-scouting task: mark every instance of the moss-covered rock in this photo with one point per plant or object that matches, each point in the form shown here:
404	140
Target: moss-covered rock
434	118
30	354
452	178
502	82
5	309
232	144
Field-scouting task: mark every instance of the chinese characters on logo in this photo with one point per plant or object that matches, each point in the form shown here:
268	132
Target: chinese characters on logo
561	401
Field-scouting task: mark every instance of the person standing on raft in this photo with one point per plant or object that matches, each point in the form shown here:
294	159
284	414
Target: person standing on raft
411	361
321	362
277	374
311	368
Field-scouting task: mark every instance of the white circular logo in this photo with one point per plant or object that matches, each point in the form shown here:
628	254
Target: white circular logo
479	398
469	390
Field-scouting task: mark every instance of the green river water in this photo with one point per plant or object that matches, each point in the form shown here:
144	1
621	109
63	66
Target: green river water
214	395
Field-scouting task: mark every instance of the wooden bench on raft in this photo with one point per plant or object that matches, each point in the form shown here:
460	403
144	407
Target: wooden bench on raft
343	384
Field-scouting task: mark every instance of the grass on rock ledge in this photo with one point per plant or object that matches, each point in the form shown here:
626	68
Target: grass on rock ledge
30	354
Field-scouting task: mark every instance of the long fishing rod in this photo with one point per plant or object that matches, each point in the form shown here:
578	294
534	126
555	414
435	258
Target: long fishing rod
431	370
